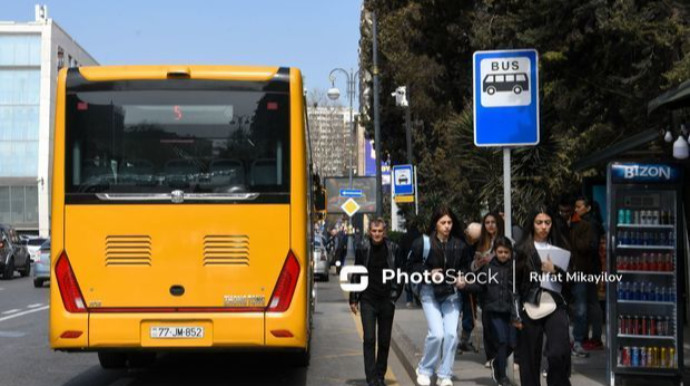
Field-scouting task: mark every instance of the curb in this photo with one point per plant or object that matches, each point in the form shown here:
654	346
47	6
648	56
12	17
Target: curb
405	351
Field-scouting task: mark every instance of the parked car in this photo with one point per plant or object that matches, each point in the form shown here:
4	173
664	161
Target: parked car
13	254
321	264
40	271
33	246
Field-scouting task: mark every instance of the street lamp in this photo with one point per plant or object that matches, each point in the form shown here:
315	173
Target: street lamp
333	93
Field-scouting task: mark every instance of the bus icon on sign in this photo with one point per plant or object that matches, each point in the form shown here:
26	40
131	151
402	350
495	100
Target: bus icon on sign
517	83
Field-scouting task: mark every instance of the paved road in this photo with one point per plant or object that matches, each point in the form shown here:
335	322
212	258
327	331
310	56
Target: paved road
26	359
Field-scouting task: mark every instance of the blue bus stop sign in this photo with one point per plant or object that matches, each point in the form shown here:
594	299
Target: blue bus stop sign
506	98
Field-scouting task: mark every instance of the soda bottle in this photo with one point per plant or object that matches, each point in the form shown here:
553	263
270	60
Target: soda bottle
664	295
628	216
653	262
621	216
643	291
635	292
621	291
671	294
671	239
644	265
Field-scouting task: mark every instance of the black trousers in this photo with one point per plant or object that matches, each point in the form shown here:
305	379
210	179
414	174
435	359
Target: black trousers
490	345
504	337
381	313
555	327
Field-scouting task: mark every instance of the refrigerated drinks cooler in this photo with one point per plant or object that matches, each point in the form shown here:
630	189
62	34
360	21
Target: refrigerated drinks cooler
645	311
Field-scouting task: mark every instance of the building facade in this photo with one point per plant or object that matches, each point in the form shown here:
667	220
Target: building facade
332	141
30	56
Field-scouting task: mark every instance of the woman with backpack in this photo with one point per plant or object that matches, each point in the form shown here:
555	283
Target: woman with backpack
441	257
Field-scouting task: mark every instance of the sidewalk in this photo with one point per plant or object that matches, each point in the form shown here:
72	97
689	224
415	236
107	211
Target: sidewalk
409	332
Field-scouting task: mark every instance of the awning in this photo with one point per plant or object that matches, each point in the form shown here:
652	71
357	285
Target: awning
616	150
677	97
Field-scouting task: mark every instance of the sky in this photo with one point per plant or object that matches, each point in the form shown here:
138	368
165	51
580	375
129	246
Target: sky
313	35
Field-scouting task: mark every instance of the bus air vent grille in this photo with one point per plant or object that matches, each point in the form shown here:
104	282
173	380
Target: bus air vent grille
128	250
226	250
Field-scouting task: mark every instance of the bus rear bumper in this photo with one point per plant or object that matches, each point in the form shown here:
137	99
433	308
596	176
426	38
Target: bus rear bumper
221	332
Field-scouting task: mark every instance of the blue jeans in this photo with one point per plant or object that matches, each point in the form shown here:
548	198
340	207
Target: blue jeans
579	291
442	337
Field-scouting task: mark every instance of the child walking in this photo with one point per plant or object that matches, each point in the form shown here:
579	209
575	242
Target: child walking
494	283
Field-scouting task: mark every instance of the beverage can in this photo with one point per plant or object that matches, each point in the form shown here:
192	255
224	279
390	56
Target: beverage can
635	357
643	357
625	356
650	357
672	360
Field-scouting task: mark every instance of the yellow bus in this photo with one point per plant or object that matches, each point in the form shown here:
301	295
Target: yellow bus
181	205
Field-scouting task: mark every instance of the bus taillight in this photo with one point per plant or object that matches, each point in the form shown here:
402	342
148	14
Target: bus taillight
285	287
69	288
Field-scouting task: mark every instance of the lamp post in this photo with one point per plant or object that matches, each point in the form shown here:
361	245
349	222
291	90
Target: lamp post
334	94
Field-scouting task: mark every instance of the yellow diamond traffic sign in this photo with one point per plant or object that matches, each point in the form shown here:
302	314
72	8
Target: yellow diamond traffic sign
350	207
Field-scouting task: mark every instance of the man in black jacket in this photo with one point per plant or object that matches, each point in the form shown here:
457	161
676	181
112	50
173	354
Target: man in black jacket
377	302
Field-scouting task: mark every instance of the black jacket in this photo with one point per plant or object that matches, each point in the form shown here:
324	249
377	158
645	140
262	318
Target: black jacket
528	290
395	261
456	253
496	296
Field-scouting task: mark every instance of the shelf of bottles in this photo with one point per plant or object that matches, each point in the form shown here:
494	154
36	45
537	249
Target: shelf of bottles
645	257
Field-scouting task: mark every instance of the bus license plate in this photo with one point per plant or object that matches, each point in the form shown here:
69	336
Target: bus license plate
177	332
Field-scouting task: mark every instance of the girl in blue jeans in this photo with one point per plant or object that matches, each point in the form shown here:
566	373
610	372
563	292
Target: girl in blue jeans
441	302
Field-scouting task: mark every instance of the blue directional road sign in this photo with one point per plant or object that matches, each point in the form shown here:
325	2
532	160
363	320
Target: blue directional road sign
356	193
506	98
403	181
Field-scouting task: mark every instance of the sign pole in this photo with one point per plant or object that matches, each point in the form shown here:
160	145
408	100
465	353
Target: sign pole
507	199
416	193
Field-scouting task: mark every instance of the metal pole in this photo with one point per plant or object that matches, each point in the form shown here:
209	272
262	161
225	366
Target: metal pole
408	127
416	192
507	212
351	94
507	207
377	128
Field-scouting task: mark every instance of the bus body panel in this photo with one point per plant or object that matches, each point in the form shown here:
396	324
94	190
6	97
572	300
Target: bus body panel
110	73
137	253
221	330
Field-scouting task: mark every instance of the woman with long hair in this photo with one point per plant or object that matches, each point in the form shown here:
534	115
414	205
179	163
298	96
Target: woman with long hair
492	227
530	268
444	259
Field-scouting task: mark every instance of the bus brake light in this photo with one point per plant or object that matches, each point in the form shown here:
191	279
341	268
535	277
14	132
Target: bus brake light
285	287
69	288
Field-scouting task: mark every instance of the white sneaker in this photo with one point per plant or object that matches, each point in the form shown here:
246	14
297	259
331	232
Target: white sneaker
444	382
487	364
423	380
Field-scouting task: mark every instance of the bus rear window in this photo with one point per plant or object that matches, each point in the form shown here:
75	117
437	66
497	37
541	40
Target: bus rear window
124	139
